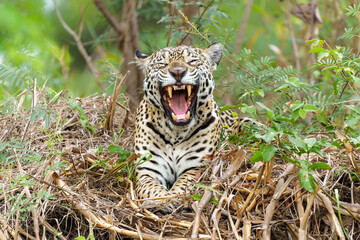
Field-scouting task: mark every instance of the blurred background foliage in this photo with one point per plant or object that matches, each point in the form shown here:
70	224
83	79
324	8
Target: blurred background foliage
32	39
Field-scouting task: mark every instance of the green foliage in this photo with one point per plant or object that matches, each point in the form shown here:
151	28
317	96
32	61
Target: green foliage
123	154
90	237
84	120
287	115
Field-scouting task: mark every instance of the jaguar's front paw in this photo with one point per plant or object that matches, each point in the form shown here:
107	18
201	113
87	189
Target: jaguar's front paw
165	206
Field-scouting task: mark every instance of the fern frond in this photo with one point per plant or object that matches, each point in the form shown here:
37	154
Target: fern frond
353	10
350	33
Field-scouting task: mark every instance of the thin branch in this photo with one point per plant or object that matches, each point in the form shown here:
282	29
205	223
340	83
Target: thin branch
114	97
111	19
80	46
197	21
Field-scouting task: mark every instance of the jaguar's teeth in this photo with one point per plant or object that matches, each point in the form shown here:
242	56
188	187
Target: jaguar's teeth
189	103
187	116
182	87
169	90
169	102
188	88
174	116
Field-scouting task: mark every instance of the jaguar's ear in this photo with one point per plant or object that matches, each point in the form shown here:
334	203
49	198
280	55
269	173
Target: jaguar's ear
141	59
214	53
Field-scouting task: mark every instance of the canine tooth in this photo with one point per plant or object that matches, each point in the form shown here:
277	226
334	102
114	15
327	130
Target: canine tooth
187	116
189	87
174	116
169	90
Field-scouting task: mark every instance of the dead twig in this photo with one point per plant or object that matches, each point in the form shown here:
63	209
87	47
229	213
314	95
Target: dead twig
304	221
80	46
114	97
270	210
335	220
234	166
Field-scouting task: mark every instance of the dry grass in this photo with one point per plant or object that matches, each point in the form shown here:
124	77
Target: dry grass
253	201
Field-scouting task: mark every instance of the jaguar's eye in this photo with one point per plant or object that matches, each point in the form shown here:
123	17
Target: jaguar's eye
191	62
163	64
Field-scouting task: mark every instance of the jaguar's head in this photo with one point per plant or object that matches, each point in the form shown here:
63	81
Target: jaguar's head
179	80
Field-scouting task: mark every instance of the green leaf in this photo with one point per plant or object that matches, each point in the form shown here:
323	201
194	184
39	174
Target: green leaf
80	238
317	50
310	142
356	80
322	55
257	156
295	115
315	42
198	185
270	134
297	104
214	201
302	113
319	165
298	143
315	149
227	107
310	108
196	197
307	180
329	68
249	109
269	152
294	81
321	117
259	92
123	154
263	106
282	87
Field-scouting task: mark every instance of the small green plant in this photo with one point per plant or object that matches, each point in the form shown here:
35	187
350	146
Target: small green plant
84	120
123	154
90	237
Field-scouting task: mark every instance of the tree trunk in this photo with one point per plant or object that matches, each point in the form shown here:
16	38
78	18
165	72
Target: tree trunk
128	33
128	45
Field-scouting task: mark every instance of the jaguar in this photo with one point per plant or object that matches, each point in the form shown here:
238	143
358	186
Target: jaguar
178	121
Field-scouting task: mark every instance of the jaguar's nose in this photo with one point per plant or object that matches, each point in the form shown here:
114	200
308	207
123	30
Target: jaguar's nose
178	73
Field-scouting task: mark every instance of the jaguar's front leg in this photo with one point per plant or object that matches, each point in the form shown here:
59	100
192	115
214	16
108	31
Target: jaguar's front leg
148	187
186	182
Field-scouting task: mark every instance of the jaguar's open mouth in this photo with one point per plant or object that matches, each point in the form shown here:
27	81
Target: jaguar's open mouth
179	102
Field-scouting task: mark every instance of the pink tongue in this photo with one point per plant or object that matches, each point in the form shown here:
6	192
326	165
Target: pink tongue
178	103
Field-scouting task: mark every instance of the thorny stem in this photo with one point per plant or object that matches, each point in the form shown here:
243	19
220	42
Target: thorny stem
197	21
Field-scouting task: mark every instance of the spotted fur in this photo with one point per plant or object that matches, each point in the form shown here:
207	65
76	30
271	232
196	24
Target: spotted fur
177	150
